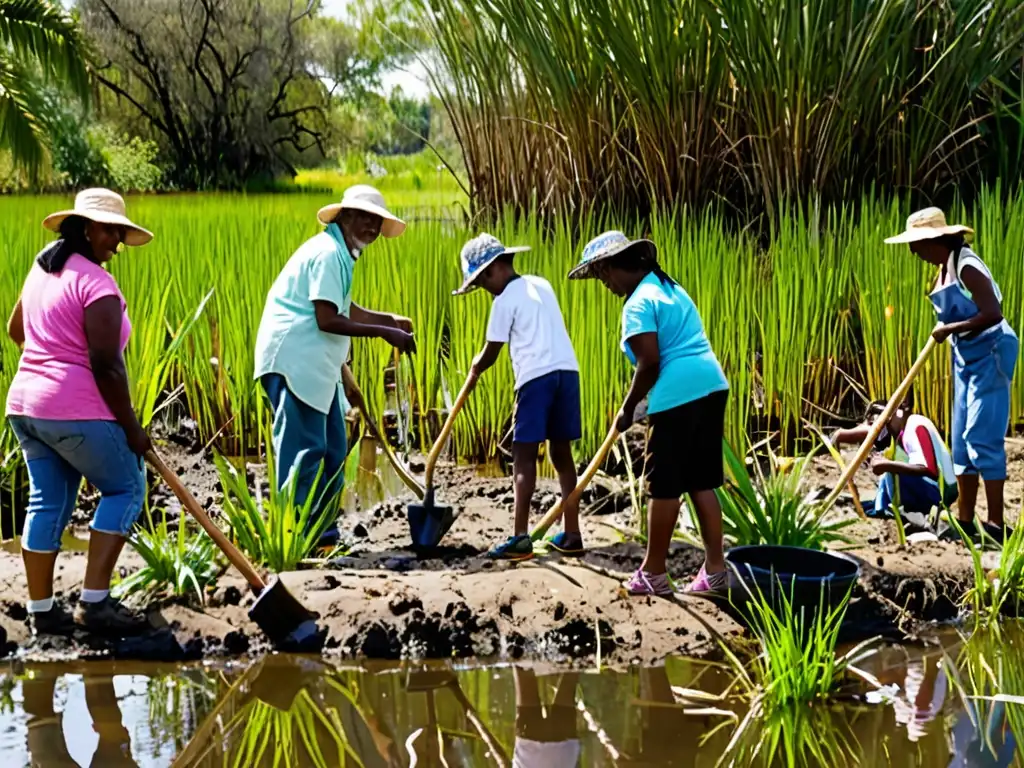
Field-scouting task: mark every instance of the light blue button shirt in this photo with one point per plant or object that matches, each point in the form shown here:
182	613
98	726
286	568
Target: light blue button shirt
289	341
688	369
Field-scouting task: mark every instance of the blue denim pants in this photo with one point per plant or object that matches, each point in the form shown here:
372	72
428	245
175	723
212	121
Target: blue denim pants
58	455
303	437
916	495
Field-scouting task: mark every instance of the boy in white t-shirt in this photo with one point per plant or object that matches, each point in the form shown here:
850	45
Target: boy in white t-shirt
526	316
912	450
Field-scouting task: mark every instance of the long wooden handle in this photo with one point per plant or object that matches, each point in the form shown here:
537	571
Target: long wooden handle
371	427
876	428
435	451
555	512
232	552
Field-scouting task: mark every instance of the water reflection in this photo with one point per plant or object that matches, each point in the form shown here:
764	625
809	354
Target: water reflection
295	711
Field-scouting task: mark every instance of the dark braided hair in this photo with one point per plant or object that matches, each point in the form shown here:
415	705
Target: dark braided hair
640	257
71	241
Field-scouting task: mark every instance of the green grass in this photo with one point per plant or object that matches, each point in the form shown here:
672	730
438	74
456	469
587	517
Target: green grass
178	562
783	320
998	592
772	507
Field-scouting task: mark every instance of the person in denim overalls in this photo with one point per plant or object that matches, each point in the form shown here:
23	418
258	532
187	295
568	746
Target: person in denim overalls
968	303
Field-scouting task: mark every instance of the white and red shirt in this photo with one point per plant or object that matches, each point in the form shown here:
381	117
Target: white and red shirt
924	447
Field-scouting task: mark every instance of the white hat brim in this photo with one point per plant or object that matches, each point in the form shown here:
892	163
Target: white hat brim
392	226
927	233
134	235
586	271
470	282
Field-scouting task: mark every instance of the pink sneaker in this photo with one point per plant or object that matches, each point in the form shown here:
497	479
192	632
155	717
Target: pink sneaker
709	582
643	583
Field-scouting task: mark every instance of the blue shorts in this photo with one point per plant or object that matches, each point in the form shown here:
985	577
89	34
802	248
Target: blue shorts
58	455
548	408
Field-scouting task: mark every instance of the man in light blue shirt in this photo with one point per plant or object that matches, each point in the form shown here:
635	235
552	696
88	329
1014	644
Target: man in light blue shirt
303	342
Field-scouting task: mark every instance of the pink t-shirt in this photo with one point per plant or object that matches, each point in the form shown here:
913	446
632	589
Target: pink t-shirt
54	378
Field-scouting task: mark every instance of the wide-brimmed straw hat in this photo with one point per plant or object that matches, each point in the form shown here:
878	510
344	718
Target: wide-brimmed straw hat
104	207
477	255
605	246
363	197
927	224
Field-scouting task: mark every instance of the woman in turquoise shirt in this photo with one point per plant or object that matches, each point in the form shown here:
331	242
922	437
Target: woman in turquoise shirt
968	304
663	336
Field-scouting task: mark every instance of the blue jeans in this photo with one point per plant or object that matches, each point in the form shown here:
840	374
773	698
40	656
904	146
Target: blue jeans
916	495
303	438
58	455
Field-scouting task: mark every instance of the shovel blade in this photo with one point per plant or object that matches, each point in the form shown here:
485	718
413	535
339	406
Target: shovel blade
428	523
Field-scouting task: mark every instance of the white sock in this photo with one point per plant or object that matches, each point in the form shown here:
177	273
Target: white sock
93	595
40	606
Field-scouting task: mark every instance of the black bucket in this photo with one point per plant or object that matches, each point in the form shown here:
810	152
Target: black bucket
809	579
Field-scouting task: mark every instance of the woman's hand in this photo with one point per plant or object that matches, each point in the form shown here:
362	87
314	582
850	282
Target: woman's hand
624	420
941	333
138	440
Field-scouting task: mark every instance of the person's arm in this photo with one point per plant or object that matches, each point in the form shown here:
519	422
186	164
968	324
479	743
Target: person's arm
330	320
648	362
881	466
103	319
855	435
16	325
370	317
984	295
487	357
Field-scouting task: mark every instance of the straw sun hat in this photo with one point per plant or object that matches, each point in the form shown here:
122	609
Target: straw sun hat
104	207
363	197
605	246
927	224
477	255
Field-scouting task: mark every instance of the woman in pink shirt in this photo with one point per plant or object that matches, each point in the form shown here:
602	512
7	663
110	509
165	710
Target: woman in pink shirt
71	410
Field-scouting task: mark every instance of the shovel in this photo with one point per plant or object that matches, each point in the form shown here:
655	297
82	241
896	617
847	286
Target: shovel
428	523
555	512
356	398
282	618
890	409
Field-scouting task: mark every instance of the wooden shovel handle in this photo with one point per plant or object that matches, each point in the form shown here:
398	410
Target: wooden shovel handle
876	428
555	512
371	426
435	451
232	552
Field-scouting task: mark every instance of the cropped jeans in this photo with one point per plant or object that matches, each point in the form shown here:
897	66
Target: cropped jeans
58	455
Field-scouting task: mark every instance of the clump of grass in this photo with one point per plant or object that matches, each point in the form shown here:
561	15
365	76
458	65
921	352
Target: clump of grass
772	508
999	591
178	562
275	531
790	682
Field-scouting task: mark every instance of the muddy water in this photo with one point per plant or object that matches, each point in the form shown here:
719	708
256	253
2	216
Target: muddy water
290	711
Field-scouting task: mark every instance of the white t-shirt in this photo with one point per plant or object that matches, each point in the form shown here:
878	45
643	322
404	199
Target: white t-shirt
526	316
924	447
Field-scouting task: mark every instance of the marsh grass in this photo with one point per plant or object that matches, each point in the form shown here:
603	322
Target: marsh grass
998	592
178	562
273	529
773	507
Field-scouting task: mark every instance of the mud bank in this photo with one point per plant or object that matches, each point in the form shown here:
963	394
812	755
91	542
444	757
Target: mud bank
382	601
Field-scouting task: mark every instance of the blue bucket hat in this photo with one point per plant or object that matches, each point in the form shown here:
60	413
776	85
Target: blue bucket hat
477	255
605	246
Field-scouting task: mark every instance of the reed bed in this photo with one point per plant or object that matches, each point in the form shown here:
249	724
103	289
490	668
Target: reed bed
575	107
806	325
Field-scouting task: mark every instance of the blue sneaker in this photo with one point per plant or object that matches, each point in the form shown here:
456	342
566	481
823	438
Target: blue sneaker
514	548
567	543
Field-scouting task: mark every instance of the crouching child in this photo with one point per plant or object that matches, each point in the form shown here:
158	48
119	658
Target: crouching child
914	467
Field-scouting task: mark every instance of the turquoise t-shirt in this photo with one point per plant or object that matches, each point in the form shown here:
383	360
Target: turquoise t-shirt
289	341
689	369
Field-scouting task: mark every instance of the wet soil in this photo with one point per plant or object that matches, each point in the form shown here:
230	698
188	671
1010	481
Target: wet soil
384	601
